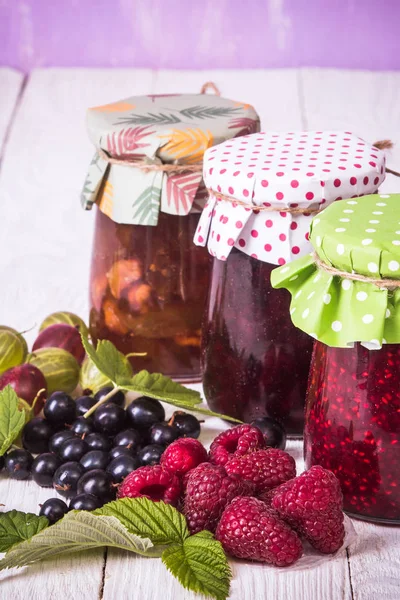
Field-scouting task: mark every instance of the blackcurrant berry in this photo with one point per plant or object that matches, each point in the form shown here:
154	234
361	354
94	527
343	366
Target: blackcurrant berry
274	433
82	426
117	398
144	412
98	441
83	404
18	464
109	419
84	502
151	454
66	478
95	459
43	468
121	466
53	509
36	435
58	438
60	409
163	434
121	451
97	482
73	449
187	425
1	463
130	438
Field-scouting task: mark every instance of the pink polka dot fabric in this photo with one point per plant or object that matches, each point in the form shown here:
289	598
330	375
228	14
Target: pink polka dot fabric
309	169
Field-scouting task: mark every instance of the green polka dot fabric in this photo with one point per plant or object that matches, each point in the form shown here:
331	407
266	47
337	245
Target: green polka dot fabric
358	236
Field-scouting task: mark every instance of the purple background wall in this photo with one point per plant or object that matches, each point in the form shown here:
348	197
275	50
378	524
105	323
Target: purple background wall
200	34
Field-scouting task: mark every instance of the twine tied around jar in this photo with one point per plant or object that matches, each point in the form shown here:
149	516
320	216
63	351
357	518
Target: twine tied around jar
386	145
294	210
380	283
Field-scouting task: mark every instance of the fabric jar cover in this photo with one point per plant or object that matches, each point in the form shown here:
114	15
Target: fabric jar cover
157	129
280	170
356	236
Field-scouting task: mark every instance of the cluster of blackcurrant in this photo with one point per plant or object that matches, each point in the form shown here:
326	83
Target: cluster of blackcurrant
84	459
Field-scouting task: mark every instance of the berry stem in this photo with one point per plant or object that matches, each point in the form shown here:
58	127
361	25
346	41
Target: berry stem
102	401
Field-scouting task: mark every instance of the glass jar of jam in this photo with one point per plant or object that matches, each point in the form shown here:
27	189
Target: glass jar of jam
265	189
353	399
148	282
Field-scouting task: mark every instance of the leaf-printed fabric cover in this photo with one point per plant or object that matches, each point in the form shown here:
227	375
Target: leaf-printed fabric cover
309	169
357	236
158	129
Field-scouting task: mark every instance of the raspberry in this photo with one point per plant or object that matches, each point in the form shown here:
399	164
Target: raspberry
183	455
312	504
265	469
249	529
209	490
238	440
155	483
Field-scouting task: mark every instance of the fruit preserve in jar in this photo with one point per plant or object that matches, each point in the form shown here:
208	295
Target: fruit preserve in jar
264	190
148	282
353	400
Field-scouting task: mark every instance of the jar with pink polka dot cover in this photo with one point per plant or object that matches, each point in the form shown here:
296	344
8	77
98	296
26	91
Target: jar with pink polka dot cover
264	191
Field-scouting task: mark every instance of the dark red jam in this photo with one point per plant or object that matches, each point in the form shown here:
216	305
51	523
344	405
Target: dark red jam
353	426
255	362
148	291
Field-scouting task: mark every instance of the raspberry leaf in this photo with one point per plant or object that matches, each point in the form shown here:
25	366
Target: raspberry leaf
200	565
160	522
12	419
76	532
159	387
16	526
112	363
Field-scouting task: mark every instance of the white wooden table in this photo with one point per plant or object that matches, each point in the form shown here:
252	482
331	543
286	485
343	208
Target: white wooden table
45	246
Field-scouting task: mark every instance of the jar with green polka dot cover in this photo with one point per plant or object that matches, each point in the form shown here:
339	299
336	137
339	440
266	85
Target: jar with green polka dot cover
265	188
345	294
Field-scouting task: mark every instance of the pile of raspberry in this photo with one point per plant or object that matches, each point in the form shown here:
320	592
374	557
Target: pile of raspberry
247	494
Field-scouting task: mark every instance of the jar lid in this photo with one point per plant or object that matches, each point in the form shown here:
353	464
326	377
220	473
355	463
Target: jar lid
265	189
135	138
347	290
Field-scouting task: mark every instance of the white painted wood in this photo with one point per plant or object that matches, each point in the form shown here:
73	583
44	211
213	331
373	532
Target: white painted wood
45	241
10	86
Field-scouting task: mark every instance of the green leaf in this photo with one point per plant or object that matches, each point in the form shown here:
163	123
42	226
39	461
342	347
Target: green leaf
16	526
147	206
160	522
159	387
149	119
208	112
76	532
12	419
200	565
112	363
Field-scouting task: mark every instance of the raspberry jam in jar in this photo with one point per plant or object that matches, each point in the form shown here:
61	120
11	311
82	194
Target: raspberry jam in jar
353	425
353	399
149	283
263	196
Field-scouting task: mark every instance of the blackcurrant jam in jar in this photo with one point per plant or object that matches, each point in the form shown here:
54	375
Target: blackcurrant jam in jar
353	398
263	196
149	283
255	362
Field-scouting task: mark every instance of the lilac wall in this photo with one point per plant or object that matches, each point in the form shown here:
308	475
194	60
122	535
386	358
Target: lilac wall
200	34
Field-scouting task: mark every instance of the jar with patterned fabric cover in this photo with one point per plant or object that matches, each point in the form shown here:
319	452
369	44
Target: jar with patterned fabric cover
346	295
264	191
148	281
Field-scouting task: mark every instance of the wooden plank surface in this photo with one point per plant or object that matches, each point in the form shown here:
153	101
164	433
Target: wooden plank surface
45	245
10	87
